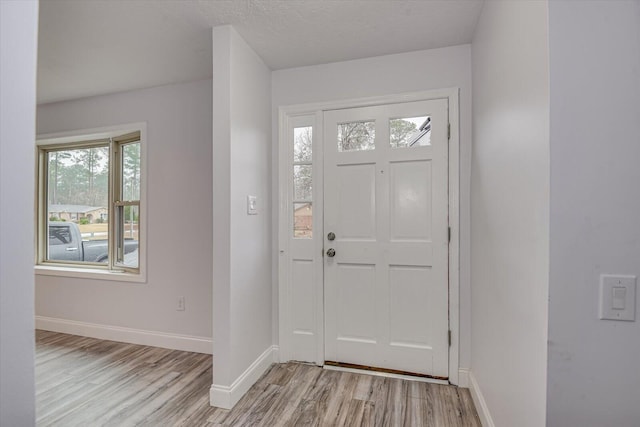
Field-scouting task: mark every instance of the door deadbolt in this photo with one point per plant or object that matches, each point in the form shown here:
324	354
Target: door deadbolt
331	252
331	236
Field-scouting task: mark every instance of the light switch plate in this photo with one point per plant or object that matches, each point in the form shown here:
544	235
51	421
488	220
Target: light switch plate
618	297
252	205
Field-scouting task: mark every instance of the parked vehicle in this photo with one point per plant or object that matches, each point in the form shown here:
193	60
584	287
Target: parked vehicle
66	244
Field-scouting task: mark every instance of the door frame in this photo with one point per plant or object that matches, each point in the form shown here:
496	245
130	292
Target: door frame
288	115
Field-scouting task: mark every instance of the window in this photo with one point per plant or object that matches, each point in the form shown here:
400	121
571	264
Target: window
59	235
356	136
410	132
89	202
302	182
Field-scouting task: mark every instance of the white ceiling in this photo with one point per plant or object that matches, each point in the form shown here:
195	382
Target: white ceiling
95	47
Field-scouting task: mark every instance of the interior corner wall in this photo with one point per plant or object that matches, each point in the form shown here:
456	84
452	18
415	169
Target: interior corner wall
179	207
510	211
593	375
241	159
386	75
18	52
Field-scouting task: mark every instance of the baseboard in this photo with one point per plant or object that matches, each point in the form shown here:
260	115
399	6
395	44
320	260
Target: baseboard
226	397
479	402
463	378
128	335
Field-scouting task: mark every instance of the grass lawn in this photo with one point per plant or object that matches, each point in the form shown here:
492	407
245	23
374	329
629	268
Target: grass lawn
100	231
93	228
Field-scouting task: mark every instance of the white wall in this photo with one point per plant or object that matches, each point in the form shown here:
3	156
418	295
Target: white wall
18	49
594	372
179	213
509	211
241	242
391	74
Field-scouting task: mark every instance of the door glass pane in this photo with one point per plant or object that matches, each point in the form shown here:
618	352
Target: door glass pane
302	143
410	132
77	195
302	187
356	136
131	171
302	220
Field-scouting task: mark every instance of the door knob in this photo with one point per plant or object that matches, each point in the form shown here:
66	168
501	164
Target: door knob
331	236
331	252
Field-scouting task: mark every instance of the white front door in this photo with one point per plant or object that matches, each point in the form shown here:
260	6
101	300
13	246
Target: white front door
386	202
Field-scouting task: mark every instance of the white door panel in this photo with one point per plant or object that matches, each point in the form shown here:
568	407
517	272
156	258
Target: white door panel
356	201
410	200
386	200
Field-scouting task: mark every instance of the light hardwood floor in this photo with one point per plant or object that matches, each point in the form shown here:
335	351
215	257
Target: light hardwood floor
88	382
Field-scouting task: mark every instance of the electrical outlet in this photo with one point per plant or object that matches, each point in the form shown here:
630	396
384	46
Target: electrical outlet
180	304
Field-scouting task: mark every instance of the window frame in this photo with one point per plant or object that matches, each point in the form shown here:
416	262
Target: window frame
113	137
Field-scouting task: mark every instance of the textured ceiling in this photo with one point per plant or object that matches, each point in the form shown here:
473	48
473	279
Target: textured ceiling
101	46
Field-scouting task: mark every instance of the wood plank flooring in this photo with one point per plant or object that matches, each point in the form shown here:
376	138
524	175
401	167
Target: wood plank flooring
88	382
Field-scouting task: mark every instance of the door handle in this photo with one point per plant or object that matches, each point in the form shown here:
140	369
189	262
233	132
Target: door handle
71	249
331	252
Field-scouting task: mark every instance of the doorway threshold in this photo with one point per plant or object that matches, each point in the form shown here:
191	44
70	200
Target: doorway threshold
382	372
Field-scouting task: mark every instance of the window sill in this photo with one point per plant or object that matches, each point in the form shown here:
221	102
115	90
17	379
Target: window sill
89	273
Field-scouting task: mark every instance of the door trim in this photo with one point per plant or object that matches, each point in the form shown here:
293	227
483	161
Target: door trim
287	114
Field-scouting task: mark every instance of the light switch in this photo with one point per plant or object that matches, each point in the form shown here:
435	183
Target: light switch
618	297
252	205
619	294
